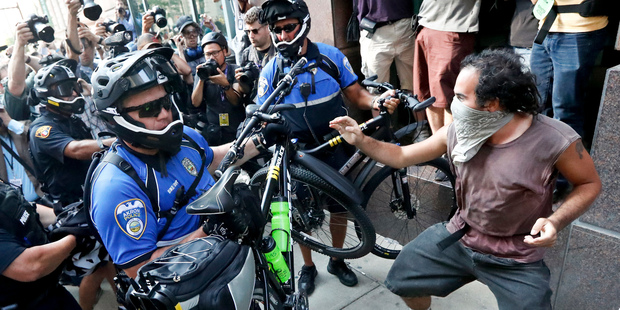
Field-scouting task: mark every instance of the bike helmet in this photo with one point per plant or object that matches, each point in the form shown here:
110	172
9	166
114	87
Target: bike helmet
275	10
214	37
118	78
56	81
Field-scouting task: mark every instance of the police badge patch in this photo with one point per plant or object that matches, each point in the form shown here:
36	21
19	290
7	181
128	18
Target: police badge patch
189	166
43	132
131	217
262	86
347	65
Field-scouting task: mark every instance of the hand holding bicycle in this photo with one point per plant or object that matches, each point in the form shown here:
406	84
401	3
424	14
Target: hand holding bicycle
391	101
348	128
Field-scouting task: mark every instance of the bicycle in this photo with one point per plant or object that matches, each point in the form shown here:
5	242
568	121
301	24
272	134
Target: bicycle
415	200
298	190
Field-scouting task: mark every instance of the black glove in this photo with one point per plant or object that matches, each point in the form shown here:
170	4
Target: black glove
275	132
215	225
72	221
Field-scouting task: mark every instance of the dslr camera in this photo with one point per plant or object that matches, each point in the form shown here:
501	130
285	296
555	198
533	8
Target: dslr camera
160	16
92	10
39	28
112	26
208	69
248	77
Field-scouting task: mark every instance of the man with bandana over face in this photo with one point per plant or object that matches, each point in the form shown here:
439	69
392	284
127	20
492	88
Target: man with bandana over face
506	158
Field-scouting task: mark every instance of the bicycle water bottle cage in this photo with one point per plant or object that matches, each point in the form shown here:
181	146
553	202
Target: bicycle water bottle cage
218	199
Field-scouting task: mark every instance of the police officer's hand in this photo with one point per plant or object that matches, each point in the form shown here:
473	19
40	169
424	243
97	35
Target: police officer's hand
390	104
275	132
22	35
73	6
220	79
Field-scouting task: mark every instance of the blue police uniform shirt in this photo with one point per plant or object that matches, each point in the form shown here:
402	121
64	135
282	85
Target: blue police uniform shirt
123	214
324	104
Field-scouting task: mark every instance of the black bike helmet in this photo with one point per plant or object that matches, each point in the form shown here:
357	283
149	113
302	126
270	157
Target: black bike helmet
118	78
56	81
275	10
214	37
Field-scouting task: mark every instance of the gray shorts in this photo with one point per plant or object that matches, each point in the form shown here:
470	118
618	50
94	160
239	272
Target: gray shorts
422	269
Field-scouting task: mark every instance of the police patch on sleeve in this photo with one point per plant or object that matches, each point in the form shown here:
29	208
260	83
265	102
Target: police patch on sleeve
131	217
347	65
263	85
43	132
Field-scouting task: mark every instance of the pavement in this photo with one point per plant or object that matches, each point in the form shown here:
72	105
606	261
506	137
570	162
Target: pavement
370	292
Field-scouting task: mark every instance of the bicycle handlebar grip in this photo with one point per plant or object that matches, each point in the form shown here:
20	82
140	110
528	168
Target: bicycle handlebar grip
297	67
424	104
228	160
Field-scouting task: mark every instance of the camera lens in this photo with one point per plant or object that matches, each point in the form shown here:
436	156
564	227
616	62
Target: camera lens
92	10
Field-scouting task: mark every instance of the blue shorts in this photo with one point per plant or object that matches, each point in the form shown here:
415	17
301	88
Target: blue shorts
422	269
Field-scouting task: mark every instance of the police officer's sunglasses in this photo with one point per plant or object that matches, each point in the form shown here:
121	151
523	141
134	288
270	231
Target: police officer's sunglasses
65	89
151	108
287	28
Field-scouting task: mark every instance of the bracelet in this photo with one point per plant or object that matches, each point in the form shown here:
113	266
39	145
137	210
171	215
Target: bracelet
258	141
72	48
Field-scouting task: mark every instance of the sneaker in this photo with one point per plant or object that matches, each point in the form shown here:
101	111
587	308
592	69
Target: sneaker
306	279
340	269
440	176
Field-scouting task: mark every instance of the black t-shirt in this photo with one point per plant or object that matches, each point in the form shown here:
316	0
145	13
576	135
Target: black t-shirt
49	135
44	293
524	25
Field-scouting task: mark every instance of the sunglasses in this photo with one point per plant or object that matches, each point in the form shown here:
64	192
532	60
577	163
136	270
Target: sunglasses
254	31
66	89
151	108
193	32
287	28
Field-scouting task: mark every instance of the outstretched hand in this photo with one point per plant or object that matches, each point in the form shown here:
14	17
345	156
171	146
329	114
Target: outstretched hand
348	128
548	234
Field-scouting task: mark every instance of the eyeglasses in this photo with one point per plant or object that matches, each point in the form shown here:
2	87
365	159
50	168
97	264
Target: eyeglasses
66	88
254	31
193	32
212	54
151	108
287	28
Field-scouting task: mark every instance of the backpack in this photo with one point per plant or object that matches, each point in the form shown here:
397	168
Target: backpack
20	218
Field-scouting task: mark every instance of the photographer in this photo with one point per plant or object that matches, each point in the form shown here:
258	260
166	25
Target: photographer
187	42
123	16
31	264
217	93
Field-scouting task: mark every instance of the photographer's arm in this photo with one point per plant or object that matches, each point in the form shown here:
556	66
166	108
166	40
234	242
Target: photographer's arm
17	68
34	63
73	40
197	93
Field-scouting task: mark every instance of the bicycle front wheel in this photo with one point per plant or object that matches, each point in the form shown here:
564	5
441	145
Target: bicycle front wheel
320	212
430	201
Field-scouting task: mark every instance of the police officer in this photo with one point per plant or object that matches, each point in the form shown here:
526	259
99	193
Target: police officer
139	210
218	94
60	143
317	96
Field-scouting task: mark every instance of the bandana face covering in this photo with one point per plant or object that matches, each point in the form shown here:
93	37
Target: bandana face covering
473	128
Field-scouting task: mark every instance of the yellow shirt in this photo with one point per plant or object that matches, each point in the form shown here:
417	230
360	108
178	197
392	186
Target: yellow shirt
573	22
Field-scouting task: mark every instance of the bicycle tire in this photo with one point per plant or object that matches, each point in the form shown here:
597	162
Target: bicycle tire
360	234
434	202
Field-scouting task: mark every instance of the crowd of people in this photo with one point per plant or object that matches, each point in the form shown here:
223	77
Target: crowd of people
164	112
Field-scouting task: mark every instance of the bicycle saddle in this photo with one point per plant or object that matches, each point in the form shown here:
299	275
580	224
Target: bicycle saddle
218	199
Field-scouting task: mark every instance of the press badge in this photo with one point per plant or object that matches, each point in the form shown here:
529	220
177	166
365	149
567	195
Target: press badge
224	120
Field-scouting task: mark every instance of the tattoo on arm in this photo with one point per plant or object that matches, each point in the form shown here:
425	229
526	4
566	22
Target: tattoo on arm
580	149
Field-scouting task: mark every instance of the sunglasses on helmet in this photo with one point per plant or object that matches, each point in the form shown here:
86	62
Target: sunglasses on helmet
287	28
66	88
151	108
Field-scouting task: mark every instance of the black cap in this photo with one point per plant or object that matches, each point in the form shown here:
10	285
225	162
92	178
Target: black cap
184	21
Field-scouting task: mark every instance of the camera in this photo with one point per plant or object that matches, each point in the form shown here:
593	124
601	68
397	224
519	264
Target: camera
39	28
249	76
160	16
208	69
92	10
117	42
112	26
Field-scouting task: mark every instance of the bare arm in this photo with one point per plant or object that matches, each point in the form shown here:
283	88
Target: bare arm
17	68
46	215
197	93
391	154
72	32
576	165
84	149
182	66
220	151
363	100
39	261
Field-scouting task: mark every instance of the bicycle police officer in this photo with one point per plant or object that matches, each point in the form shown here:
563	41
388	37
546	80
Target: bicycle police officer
317	97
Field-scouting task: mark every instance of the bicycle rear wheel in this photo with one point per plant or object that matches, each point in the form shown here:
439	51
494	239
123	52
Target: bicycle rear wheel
316	204
431	201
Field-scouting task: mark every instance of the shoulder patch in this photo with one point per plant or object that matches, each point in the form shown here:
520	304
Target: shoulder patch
347	65
43	132
131	217
189	166
262	86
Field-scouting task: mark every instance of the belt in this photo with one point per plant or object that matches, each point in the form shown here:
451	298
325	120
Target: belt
389	22
453	238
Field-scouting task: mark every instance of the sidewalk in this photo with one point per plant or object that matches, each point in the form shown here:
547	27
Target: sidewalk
370	293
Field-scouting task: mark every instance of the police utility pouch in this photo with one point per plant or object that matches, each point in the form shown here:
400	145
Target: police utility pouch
369	26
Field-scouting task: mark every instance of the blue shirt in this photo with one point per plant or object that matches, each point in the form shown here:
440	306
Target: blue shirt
16	172
324	104
123	213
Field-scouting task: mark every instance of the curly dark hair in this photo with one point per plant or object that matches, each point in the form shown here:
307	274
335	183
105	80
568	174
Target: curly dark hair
503	76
